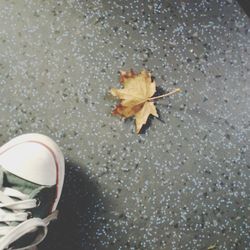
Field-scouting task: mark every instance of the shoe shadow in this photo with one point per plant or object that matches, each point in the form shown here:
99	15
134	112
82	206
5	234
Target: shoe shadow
81	203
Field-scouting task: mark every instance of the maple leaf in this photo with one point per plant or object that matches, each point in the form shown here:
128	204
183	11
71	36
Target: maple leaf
136	97
212	247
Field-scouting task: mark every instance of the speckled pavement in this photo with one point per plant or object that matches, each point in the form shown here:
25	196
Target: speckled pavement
182	184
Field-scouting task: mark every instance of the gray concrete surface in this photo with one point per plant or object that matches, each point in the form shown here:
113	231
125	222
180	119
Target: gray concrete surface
184	182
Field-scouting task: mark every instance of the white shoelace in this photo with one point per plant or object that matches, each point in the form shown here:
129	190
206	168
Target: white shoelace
13	206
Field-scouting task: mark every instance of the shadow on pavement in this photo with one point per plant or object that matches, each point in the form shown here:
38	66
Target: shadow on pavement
245	4
80	205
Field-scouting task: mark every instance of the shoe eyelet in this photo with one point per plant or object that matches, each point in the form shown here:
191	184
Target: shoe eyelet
29	216
38	203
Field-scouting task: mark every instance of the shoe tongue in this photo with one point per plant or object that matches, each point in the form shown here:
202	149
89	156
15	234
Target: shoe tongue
10	180
42	193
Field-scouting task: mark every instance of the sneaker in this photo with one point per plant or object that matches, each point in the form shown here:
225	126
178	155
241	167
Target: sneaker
31	181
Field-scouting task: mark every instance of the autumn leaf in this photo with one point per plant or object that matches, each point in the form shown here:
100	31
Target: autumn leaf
212	247
136	97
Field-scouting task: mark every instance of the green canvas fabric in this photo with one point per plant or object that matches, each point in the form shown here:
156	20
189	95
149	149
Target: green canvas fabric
45	195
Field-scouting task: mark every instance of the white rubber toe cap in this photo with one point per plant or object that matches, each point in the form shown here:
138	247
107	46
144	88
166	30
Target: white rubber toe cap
30	161
36	158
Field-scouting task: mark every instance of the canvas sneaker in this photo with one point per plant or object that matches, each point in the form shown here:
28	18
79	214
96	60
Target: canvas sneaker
31	181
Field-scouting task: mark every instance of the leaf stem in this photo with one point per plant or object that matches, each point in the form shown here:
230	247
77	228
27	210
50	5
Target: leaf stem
164	95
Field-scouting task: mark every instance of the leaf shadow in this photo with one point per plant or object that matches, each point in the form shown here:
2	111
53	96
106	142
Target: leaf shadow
145	127
81	203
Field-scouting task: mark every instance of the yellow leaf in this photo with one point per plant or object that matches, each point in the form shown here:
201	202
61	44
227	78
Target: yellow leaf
141	116
212	247
136	89
136	97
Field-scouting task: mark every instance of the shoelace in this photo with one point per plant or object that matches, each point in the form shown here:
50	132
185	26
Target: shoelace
13	210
